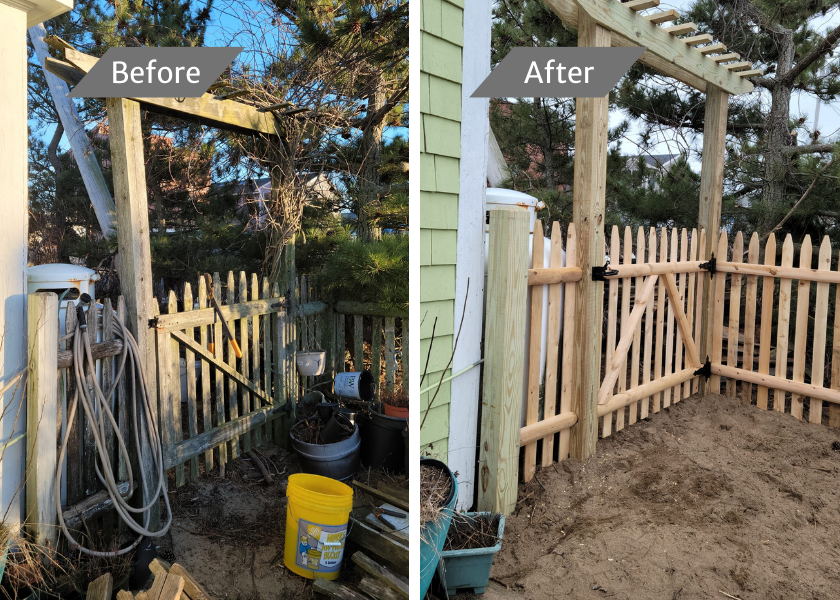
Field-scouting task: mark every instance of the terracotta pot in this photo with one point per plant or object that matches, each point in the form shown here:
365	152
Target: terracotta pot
393	411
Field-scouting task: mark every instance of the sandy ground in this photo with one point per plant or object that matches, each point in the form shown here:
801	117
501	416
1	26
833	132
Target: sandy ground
706	497
229	533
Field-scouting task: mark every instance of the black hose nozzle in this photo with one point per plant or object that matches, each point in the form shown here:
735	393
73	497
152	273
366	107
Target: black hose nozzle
80	316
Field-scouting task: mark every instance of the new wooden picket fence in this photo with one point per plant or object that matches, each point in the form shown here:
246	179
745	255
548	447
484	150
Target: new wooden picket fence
767	345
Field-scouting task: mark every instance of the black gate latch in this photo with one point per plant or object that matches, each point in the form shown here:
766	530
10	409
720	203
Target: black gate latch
601	273
710	266
705	370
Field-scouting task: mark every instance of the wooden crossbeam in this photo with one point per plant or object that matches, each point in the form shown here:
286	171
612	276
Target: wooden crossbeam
703	38
626	338
668	54
663	16
228	370
681	29
712	49
641	4
722	58
208	110
739	66
682	320
233	94
751	73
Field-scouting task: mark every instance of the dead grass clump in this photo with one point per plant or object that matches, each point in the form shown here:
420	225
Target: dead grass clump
396	398
435	485
478	531
29	567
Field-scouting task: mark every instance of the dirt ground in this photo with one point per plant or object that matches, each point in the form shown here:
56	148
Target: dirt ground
705	497
229	533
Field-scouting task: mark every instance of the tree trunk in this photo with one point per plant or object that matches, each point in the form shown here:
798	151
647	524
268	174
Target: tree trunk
776	161
371	157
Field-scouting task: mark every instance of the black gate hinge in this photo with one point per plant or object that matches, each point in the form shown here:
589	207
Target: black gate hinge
710	266
705	370
601	273
153	323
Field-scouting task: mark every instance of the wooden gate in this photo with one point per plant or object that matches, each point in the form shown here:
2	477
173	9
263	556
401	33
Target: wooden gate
652	352
651	355
211	403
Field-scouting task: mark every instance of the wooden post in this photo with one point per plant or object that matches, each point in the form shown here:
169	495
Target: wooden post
504	367
135	265
589	195
41	417
711	193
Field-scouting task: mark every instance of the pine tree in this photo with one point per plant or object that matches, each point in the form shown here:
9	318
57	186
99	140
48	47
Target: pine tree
367	42
767	170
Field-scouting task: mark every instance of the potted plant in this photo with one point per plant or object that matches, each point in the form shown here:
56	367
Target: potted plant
438	491
336	455
395	403
471	545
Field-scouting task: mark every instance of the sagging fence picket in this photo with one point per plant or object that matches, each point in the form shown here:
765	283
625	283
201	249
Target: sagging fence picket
766	344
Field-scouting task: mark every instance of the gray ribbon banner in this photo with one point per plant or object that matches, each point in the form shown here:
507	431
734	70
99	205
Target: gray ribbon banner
155	72
558	72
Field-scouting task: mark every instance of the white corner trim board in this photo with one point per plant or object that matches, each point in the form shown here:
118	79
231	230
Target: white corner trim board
475	132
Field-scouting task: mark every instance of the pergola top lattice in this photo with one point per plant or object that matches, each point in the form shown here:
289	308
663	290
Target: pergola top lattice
683	58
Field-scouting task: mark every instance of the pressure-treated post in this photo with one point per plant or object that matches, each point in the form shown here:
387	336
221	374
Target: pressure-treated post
592	115
504	356
711	194
135	263
41	418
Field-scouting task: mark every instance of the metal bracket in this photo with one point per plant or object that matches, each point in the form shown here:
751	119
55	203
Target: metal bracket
710	266
601	273
705	370
153	323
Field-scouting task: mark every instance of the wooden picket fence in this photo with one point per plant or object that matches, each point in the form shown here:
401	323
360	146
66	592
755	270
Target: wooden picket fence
778	344
231	404
355	336
768	346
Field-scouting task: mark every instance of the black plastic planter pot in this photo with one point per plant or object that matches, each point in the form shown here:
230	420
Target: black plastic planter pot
337	461
383	446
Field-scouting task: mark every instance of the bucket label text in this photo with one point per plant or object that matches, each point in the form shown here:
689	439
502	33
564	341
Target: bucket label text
320	547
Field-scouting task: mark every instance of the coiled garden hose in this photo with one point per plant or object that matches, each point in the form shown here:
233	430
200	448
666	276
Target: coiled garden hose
98	412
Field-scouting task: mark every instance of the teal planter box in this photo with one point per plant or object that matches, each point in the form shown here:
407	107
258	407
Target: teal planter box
469	570
433	536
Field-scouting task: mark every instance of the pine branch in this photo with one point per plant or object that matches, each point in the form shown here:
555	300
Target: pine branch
827	45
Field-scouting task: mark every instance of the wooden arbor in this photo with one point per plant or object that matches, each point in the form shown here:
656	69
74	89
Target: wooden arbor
695	60
699	62
126	139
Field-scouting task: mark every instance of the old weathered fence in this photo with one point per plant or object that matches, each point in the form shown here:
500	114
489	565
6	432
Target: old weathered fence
356	336
765	344
211	403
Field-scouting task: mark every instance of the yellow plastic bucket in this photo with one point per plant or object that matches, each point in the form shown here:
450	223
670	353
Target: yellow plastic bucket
316	525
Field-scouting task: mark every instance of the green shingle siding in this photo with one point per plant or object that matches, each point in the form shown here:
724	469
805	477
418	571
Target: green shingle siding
444	98
444	246
448	172
442	136
437	282
445	320
441	39
438	211
440	57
